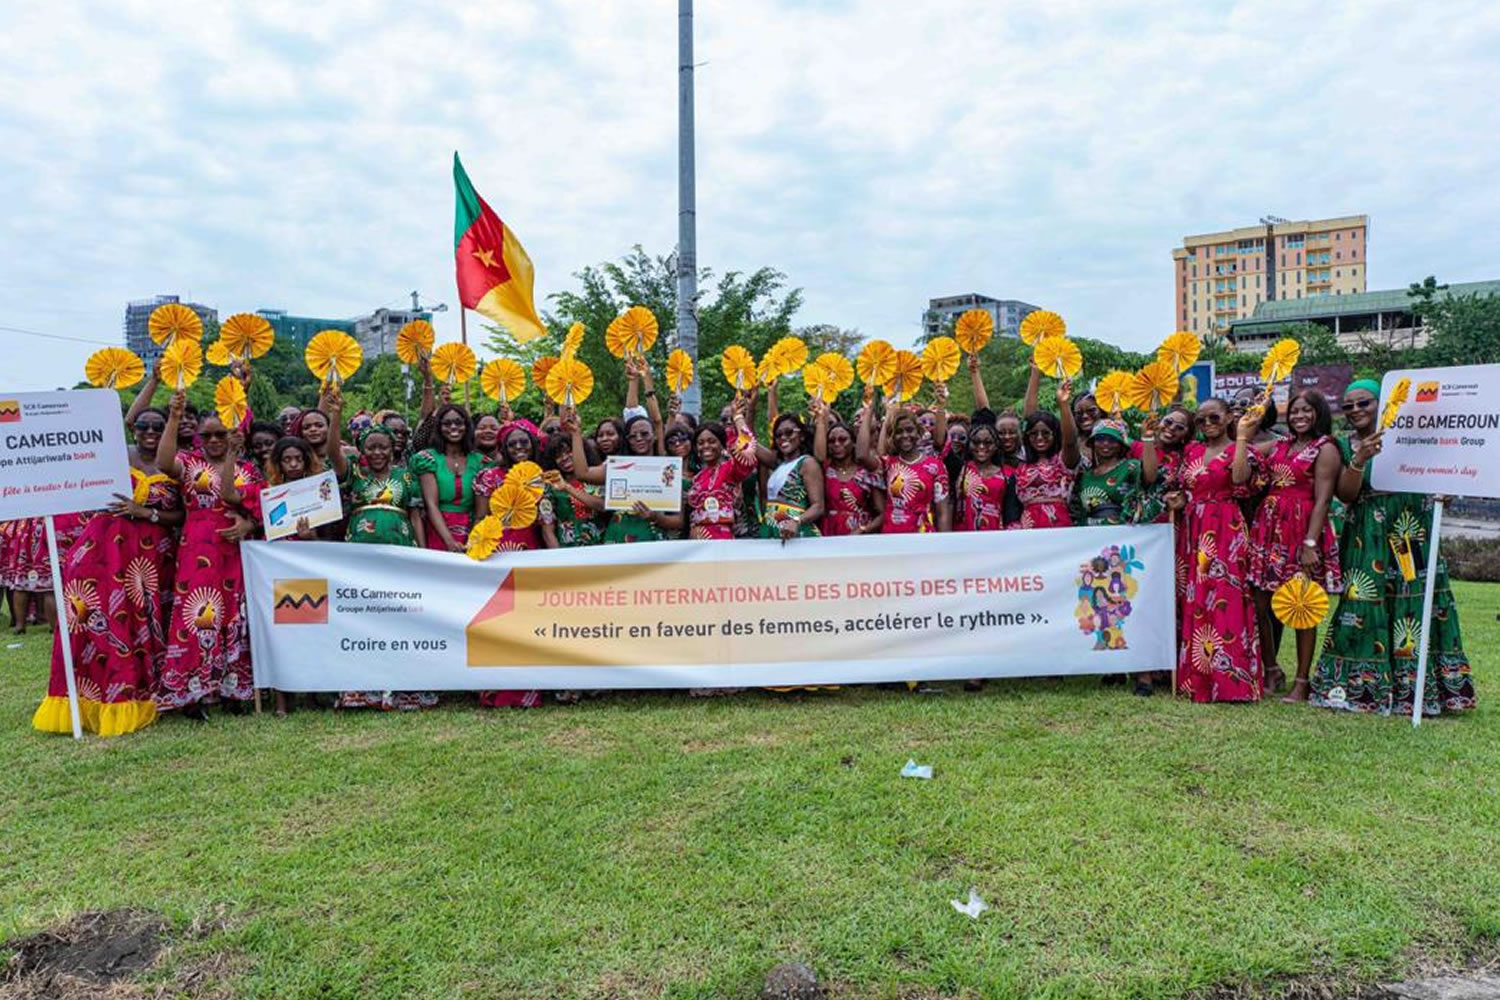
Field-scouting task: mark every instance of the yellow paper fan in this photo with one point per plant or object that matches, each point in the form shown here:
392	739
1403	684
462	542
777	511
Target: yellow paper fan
1153	386
906	376
790	355
173	322
739	368
1280	360
484	537
1115	391
333	355
573	340
515	504
1400	391
453	362
1042	325
940	359
218	354
876	363
818	381
1057	356
246	335
631	332
1180	350
766	370
679	371
181	363
503	379
539	370
1300	603
843	371
973	330
414	342
527	474
113	368
569	382
230	401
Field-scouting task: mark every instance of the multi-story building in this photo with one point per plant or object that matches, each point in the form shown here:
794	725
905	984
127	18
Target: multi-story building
1221	277
1359	320
300	329
138	315
1007	313
376	332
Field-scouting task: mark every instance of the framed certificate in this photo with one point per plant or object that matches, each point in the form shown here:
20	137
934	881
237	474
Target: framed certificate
648	479
315	498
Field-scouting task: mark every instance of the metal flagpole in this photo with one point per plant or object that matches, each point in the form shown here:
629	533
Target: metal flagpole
64	639
1420	691
687	212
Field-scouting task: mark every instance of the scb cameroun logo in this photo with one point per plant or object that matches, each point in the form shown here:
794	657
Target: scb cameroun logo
300	602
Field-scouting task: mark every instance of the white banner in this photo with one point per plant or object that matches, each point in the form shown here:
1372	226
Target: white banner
1446	438
61	452
329	616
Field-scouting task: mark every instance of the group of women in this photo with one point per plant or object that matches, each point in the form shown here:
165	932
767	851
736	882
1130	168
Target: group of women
155	593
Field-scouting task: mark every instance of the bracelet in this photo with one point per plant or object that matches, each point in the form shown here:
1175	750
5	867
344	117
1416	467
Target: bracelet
650	393
1357	467
1309	543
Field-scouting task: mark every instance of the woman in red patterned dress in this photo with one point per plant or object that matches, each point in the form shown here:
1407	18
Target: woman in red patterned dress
1219	655
114	578
721	470
916	484
855	496
1291	533
516	444
208	641
1044	479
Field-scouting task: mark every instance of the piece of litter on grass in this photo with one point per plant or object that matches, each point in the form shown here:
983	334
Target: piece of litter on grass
14	645
974	907
915	770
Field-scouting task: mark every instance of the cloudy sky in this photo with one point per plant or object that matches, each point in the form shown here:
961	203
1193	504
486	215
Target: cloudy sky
297	155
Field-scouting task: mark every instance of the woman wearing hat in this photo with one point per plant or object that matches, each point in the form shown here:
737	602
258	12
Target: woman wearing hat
1369	661
1109	490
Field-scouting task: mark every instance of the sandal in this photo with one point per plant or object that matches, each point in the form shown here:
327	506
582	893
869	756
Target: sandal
1275	679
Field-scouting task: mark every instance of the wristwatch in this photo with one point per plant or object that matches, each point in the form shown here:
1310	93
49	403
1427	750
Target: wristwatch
1309	543
155	515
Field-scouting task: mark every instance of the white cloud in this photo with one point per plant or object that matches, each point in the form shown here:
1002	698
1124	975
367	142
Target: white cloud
281	154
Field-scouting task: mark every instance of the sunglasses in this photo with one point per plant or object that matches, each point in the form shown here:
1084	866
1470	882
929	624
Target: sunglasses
214	435
1210	418
677	439
1356	404
150	425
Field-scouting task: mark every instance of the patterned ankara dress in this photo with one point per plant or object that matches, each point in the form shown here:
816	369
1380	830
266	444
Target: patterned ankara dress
208	642
1219	659
115	577
1369	657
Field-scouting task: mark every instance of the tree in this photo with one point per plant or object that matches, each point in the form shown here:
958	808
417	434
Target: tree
1465	329
1319	345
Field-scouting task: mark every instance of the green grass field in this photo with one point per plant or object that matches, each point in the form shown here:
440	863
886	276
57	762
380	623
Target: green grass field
657	846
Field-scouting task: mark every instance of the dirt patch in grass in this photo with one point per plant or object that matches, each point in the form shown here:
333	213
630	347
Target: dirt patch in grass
91	948
579	740
104	955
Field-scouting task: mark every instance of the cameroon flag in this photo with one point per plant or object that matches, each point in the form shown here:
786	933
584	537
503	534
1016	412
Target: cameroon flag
494	274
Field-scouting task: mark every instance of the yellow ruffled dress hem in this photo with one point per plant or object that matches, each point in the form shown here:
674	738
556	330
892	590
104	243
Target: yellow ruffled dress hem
114	719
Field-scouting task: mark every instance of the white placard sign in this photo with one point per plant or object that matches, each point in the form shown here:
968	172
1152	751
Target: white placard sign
1446	438
648	479
313	497
61	452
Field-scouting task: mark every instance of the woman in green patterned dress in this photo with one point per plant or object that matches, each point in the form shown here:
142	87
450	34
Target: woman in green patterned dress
793	480
385	508
569	509
1110	490
1369	658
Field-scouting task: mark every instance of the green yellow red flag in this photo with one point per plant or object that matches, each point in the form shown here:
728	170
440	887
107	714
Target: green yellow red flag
495	277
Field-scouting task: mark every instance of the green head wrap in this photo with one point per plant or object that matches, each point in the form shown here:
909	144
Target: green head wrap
1367	384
